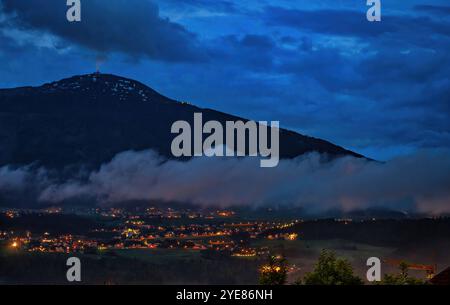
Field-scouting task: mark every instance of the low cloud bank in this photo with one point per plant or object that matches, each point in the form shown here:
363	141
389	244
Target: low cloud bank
419	183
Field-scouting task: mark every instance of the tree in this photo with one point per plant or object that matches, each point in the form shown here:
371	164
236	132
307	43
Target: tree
402	278
274	272
330	270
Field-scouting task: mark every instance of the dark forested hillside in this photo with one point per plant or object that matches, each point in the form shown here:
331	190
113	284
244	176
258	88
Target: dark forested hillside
86	120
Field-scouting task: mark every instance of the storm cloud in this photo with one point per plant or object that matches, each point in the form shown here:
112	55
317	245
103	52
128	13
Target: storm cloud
133	27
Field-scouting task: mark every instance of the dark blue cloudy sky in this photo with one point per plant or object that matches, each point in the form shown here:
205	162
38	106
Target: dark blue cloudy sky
317	66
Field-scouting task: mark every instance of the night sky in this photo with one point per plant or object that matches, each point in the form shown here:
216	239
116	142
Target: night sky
317	66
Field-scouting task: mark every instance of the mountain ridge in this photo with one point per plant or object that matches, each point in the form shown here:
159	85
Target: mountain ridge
85	120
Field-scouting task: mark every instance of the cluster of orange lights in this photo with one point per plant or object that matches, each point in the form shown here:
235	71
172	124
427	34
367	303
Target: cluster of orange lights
245	253
225	213
292	236
268	269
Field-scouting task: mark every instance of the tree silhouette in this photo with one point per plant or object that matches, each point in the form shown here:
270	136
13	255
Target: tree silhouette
402	278
330	270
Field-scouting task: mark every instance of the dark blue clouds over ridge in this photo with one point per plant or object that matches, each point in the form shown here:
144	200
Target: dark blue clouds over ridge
382	89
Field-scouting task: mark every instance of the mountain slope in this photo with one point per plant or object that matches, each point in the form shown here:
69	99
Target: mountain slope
86	120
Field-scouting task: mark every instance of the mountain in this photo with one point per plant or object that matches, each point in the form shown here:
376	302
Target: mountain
86	120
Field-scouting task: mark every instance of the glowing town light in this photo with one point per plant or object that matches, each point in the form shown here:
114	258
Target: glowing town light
292	236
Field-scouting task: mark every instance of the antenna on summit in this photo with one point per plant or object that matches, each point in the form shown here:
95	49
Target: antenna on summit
98	62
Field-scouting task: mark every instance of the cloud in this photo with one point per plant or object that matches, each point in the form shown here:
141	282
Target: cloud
434	9
133	27
12	178
20	186
417	183
351	22
222	6
339	22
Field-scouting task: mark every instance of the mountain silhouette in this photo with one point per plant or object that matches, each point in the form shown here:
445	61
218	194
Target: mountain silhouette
85	120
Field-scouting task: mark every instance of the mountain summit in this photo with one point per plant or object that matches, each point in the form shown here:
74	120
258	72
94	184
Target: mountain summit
86	120
103	87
